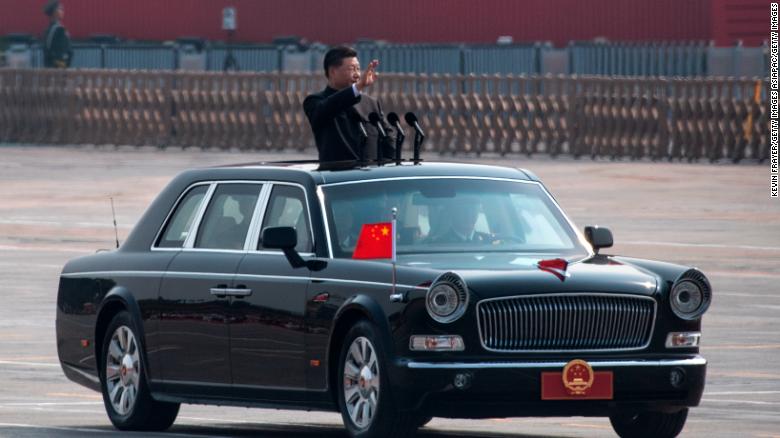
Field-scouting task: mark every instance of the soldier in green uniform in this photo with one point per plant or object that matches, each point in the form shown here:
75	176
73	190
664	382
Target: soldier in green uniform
57	52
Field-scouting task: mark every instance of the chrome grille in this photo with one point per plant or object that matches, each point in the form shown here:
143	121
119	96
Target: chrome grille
566	322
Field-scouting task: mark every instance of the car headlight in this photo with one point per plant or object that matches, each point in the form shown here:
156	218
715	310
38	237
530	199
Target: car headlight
691	295
447	298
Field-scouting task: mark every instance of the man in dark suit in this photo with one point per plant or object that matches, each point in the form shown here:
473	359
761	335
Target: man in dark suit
462	218
335	112
57	52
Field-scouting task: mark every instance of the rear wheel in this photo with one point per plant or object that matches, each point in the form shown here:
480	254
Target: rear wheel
126	395
365	396
649	424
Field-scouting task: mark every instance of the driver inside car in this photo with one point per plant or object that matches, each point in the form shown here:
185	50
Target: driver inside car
461	219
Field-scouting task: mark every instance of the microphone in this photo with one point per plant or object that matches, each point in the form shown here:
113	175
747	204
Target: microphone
395	121
412	121
419	135
361	126
376	120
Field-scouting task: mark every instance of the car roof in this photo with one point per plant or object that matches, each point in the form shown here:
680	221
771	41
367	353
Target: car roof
331	173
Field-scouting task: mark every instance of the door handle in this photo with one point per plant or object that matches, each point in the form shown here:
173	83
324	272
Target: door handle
219	292
239	292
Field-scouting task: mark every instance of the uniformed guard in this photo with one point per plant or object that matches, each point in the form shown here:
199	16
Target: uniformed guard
57	52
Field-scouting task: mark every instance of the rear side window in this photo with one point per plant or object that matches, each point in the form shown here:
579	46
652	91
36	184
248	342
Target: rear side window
226	221
287	208
180	222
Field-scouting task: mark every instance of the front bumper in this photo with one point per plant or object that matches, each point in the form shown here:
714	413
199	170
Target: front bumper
512	388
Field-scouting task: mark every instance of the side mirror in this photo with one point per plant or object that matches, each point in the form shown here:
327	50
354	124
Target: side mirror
598	237
284	238
280	238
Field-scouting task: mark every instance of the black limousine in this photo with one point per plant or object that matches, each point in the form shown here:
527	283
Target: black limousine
270	285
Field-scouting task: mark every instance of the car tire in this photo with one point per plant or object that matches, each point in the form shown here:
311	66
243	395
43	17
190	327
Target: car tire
649	424
365	399
126	394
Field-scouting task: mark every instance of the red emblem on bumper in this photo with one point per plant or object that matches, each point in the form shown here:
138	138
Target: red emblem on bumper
578	381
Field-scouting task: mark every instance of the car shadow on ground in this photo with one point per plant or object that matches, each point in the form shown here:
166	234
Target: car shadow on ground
324	431
225	430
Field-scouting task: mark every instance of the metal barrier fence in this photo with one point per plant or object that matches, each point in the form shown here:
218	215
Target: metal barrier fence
692	59
633	59
583	116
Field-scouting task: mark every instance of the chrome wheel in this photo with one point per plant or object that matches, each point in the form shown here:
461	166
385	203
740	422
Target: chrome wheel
123	370
361	382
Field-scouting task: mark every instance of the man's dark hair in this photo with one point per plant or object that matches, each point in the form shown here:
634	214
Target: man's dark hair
336	55
51	7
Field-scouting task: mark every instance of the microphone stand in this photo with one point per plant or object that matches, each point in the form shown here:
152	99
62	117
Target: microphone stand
376	120
399	137
419	138
362	145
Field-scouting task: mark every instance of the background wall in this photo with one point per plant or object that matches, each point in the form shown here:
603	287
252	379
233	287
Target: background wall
412	21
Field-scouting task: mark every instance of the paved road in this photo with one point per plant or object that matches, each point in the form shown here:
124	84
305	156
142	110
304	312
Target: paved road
54	205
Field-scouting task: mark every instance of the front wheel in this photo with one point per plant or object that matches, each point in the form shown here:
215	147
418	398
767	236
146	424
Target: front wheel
126	395
365	396
649	424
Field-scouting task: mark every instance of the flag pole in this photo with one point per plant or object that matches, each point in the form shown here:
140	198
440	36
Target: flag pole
392	235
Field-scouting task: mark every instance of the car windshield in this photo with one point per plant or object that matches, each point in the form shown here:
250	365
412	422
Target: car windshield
451	215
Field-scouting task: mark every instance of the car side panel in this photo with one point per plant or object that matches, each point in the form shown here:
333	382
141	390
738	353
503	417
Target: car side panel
352	285
84	284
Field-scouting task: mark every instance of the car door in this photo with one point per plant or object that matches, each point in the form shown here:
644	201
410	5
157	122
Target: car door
195	294
268	333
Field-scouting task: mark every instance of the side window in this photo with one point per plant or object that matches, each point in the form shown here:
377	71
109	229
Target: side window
180	222
226	221
287	208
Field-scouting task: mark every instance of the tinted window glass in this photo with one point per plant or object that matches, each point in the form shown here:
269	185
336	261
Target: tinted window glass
451	216
180	223
227	217
287	208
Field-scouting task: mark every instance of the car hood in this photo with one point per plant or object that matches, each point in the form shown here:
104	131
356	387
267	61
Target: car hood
504	274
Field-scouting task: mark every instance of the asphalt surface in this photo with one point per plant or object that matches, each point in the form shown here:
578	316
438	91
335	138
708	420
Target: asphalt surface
54	205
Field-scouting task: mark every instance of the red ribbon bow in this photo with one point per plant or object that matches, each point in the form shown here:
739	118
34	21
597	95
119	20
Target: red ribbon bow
556	267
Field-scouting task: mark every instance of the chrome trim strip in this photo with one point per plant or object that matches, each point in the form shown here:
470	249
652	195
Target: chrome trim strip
214	250
364	181
324	213
258	215
113	273
373	283
533	324
695	361
172	209
82	373
271	277
190	241
222	274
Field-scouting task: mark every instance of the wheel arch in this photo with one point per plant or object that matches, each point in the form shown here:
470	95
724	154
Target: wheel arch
356	308
117	300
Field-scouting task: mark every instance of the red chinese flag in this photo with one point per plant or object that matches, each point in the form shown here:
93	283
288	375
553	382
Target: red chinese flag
375	241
